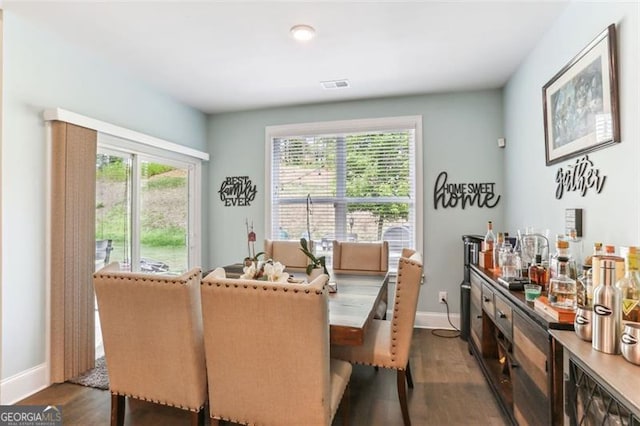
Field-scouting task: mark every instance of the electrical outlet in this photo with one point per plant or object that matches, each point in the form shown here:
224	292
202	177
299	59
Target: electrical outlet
442	297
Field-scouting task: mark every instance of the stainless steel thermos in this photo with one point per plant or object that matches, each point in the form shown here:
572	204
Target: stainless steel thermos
607	313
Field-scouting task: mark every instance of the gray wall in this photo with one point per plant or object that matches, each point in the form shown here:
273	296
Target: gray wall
41	71
611	216
460	133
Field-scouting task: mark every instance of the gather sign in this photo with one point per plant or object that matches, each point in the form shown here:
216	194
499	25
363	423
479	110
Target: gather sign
448	195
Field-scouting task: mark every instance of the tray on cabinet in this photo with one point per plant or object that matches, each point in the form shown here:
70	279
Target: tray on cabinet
558	314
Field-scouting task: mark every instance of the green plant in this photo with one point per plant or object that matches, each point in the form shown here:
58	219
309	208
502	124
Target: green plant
249	260
315	261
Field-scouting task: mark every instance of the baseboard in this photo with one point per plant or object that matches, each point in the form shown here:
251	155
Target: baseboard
436	320
23	384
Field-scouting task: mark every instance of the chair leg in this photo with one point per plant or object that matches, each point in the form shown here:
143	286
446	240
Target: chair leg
197	418
409	378
402	396
117	410
345	406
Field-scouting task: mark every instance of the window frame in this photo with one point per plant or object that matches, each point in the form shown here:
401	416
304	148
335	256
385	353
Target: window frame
350	126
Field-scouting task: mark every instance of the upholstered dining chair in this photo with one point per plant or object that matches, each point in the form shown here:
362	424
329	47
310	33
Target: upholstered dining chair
152	333
267	352
288	253
363	258
387	343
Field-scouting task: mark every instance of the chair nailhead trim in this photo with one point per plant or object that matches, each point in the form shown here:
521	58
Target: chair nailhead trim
228	282
142	398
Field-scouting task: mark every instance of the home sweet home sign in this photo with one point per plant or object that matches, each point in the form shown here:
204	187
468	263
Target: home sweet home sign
449	195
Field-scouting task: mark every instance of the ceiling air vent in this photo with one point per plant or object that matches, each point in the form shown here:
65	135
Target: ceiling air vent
335	84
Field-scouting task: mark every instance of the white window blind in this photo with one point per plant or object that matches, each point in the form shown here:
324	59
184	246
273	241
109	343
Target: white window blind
349	186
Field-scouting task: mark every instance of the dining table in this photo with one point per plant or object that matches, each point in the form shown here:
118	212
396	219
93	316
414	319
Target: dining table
351	307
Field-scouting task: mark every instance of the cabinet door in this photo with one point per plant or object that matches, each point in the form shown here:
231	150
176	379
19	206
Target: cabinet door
482	328
531	402
475	310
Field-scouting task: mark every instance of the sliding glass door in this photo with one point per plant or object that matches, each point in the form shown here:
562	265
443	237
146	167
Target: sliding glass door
143	211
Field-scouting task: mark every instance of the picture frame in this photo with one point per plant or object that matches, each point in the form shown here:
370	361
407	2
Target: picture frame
580	102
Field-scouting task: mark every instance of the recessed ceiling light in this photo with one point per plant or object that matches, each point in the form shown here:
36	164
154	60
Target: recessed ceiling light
303	32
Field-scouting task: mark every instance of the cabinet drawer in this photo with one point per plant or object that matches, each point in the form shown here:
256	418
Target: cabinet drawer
504	316
488	304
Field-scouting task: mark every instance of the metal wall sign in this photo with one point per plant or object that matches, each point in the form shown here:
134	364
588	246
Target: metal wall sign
449	195
237	191
580	176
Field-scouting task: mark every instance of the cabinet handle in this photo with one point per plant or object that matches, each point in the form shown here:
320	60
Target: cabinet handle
501	314
478	316
486	299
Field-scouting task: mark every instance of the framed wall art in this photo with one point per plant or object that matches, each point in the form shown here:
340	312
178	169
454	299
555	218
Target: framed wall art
580	103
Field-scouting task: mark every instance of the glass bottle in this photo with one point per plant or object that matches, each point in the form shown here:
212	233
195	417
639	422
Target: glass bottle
562	288
497	248
594	261
584	288
539	273
629	286
487	245
489	238
575	248
562	252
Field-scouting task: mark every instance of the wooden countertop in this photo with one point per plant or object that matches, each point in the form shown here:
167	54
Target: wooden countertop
518	299
613	372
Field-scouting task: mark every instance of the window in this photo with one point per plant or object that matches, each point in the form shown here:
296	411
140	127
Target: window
349	180
145	207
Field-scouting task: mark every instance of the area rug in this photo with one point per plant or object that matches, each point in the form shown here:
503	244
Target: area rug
95	378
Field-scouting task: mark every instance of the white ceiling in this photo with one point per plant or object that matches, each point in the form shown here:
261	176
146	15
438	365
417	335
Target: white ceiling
227	56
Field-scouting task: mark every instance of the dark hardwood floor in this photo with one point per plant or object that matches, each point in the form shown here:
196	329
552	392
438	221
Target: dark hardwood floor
449	389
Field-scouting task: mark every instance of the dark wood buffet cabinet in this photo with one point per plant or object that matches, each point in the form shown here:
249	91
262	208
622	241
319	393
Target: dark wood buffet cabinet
521	360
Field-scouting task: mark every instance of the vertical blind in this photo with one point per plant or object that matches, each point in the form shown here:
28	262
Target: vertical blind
73	159
356	186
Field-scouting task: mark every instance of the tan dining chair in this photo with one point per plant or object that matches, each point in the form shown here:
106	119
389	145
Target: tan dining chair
360	258
363	258
288	253
267	351
153	343
387	343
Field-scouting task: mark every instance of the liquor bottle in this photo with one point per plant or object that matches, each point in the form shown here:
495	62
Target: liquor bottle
497	248
562	252
489	238
487	246
607	315
629	286
562	288
575	248
584	288
609	252
539	273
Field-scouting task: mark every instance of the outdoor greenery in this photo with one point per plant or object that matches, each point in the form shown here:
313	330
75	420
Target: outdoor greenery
112	216
371	175
377	168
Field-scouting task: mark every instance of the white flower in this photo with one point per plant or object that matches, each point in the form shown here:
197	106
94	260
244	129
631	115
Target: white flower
249	272
275	272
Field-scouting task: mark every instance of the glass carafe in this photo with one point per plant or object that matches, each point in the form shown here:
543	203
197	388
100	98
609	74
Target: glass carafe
562	288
